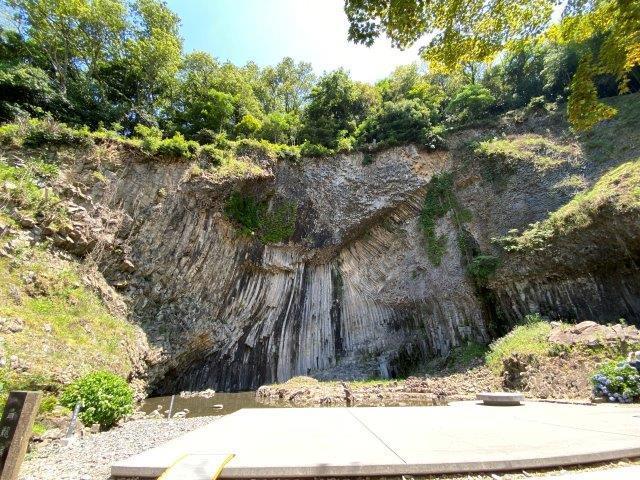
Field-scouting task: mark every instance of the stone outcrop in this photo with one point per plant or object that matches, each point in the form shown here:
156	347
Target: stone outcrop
352	293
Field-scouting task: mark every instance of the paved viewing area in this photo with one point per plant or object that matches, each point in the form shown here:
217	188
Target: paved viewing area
461	437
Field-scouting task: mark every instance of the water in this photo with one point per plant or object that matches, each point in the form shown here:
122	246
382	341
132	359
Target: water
232	402
200	407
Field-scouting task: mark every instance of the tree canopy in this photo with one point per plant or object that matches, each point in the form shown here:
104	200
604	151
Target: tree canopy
463	32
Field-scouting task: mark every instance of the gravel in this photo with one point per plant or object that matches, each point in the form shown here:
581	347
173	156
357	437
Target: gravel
90	457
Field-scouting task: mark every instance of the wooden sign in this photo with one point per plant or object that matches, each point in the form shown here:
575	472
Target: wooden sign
15	431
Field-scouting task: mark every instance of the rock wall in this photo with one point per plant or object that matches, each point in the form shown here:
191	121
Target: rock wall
351	296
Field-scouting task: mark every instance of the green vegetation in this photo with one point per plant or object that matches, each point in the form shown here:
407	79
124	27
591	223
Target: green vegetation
104	398
75	333
618	190
500	155
532	338
88	66
19	187
482	268
270	225
602	35
438	201
617	381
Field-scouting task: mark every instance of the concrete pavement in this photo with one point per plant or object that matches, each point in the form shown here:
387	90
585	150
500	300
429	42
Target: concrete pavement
461	437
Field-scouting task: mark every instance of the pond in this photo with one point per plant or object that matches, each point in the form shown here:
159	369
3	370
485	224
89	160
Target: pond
232	402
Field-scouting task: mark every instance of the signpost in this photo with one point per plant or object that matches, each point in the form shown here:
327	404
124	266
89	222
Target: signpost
15	431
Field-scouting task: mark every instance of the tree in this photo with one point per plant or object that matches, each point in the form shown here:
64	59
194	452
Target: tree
470	103
248	126
398	122
464	32
280	127
71	34
286	86
337	106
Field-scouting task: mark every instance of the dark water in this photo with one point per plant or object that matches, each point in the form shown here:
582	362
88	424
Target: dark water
232	402
200	407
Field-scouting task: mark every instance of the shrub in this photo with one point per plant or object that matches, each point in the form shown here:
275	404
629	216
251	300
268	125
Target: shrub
48	132
482	268
531	338
254	217
469	103
617	382
177	146
104	396
213	156
313	150
248	126
10	134
254	148
406	121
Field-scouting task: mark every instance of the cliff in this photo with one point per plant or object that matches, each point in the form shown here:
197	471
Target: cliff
353	266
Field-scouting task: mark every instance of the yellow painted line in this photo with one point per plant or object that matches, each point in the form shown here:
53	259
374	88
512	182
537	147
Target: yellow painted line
167	475
222	465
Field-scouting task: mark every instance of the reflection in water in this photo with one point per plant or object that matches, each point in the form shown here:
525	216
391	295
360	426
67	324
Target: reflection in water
200	407
232	402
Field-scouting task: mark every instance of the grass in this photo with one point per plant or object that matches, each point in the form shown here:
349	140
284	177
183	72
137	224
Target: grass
616	139
255	217
618	189
529	339
72	328
502	154
21	186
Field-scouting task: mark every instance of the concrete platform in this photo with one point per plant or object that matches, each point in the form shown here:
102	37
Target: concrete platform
461	437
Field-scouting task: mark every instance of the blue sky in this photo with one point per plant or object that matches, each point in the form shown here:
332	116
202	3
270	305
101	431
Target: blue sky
267	30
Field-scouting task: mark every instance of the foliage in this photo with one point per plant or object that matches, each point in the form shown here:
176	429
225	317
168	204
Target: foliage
71	323
337	105
19	187
467	33
25	89
280	127
482	268
618	189
471	102
438	201
248	126
104	397
617	382
270	225
399	122
308	149
532	338
583	109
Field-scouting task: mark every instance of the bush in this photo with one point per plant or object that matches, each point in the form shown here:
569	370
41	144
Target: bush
177	146
469	103
531	338
104	396
482	268
406	121
617	382
254	148
213	156
313	150
48	132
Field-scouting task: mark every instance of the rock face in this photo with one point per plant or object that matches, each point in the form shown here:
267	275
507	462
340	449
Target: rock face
352	295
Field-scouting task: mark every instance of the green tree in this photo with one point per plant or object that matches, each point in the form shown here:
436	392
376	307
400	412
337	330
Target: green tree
280	127
285	86
248	126
337	106
464	32
470	103
396	123
71	34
